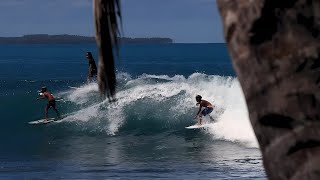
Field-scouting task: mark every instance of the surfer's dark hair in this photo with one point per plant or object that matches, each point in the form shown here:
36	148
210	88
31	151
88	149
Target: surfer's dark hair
198	97
43	89
89	55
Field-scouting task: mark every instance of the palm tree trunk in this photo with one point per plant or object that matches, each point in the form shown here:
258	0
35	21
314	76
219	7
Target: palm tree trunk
275	48
106	13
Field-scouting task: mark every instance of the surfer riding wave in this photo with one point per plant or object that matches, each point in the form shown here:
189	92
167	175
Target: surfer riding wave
51	102
208	108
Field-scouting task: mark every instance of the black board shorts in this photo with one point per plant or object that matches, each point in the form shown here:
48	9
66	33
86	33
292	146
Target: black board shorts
93	72
207	111
51	104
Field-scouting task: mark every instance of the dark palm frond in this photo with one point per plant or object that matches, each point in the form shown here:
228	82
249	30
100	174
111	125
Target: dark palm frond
107	15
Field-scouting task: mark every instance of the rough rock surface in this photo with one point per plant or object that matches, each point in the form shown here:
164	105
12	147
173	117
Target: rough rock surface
275	48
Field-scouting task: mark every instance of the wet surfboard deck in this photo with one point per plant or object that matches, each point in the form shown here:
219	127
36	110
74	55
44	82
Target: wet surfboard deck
42	121
197	126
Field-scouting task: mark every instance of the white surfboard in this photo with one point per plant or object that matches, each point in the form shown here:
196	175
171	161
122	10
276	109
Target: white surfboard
72	87
41	121
197	126
50	120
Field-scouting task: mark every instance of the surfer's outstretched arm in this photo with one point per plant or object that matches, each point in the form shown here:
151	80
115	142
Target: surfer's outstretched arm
198	116
198	112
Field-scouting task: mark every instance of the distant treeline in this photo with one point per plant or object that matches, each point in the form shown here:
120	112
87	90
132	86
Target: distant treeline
66	39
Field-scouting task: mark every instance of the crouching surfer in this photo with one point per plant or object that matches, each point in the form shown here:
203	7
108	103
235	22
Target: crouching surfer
51	102
208	108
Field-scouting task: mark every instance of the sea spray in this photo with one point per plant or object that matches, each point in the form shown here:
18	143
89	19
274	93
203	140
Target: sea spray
162	103
233	124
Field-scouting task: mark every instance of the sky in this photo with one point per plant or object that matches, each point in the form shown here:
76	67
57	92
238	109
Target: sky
185	21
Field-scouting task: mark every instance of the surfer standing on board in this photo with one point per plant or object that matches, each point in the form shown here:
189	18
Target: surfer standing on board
92	66
208	108
51	102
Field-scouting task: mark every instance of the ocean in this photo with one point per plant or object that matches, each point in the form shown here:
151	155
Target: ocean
140	136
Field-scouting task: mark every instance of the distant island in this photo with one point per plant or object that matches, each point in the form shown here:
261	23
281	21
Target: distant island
74	39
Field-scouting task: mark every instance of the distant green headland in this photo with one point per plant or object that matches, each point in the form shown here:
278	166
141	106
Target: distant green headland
72	39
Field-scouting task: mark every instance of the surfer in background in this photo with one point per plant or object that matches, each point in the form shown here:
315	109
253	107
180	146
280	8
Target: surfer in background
208	108
92	66
51	102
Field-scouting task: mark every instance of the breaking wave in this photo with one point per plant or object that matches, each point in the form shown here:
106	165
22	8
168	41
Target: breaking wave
152	104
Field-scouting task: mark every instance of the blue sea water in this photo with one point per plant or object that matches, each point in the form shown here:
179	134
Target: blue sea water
142	135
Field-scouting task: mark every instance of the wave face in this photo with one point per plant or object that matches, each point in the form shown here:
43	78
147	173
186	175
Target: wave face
151	104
